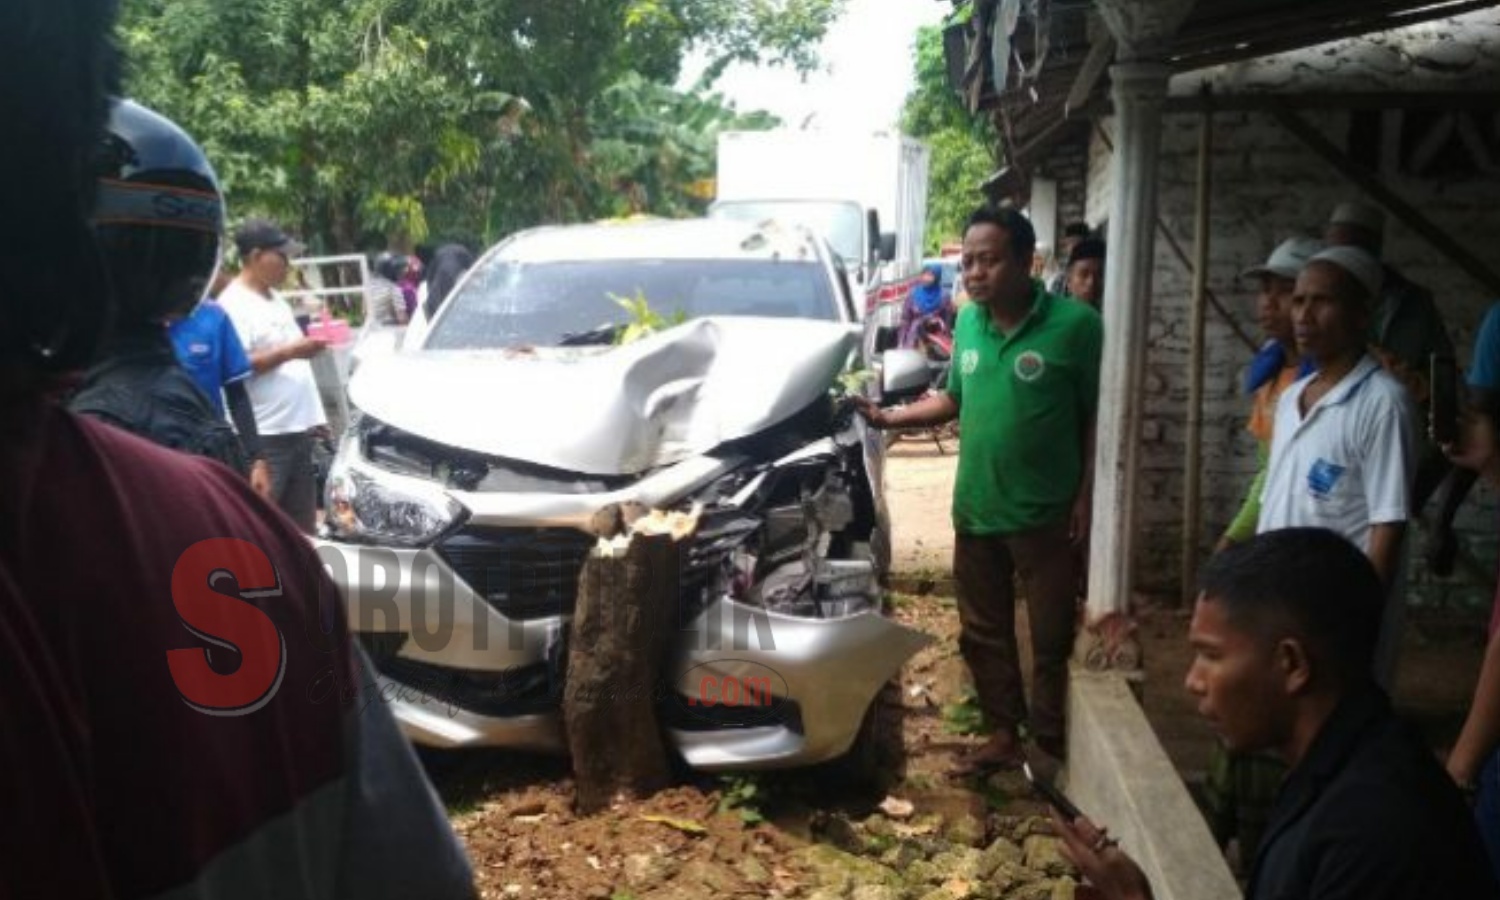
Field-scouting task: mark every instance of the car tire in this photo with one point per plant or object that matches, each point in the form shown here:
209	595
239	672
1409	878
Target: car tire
873	762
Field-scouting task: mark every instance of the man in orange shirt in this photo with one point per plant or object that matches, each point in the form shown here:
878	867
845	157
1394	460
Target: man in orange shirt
1275	367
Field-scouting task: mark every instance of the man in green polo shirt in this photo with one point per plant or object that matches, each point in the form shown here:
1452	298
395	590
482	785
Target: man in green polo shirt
1024	385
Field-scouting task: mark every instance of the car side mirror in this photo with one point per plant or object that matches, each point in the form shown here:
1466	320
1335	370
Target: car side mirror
887	337
904	376
888	246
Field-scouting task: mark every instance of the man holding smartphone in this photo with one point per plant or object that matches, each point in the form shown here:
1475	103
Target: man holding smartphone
1283	634
288	410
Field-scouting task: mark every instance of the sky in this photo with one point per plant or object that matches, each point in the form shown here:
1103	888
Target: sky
867	71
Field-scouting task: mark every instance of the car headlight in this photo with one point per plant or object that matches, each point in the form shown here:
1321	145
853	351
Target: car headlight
367	505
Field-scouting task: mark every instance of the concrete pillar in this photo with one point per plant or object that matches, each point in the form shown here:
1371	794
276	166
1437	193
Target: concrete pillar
1139	89
1139	86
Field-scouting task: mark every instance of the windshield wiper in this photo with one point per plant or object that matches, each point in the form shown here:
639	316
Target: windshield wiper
603	335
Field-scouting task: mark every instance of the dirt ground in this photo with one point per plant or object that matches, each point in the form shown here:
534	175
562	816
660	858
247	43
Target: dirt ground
915	834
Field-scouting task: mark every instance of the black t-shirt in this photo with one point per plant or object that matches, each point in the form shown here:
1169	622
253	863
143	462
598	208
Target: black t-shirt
1369	814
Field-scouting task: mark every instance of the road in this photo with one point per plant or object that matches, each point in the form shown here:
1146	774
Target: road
919	491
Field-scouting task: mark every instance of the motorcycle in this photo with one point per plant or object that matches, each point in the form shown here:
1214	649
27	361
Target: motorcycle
932	335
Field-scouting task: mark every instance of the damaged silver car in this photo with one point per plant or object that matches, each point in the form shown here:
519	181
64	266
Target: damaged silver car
468	492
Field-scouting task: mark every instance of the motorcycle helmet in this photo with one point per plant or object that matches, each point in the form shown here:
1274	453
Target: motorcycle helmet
158	216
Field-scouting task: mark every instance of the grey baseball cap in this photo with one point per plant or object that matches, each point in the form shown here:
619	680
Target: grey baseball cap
1287	260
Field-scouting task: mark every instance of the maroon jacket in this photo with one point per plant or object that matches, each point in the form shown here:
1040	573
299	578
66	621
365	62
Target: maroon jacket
184	712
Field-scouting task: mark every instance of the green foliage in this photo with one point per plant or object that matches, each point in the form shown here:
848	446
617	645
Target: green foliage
996	799
851	383
742	793
377	122
654	147
963	715
643	321
963	147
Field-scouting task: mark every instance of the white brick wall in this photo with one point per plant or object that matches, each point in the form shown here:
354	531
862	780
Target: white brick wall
1266	186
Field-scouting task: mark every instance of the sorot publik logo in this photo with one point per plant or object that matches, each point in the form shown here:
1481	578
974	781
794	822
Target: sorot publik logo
211	584
244	663
748	687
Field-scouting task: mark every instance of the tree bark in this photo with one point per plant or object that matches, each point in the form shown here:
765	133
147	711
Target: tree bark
622	625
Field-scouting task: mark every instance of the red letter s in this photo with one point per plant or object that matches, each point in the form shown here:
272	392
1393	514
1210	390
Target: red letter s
207	583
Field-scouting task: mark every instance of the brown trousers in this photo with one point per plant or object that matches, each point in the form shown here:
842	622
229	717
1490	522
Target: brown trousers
984	572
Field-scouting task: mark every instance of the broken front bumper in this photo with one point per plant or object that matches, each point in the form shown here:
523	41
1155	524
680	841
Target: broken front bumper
746	687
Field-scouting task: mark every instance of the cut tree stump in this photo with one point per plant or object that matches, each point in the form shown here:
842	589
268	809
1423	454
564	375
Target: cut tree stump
623	625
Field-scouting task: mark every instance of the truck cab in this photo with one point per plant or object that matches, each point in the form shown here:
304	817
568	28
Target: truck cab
851	230
865	194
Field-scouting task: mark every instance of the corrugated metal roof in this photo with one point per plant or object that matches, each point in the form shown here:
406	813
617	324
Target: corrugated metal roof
1053	40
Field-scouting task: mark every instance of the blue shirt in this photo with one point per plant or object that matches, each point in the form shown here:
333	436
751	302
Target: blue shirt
209	348
1484	372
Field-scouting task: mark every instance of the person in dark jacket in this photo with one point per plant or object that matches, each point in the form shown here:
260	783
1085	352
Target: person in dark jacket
1283	638
157	221
185	713
449	263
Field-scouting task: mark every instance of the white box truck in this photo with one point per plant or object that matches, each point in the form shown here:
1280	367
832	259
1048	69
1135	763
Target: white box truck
865	193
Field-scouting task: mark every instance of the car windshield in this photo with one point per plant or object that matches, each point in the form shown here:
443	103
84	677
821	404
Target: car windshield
507	303
841	224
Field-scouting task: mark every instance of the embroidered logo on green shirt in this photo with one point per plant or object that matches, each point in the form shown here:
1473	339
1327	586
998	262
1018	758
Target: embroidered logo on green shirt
1030	366
968	362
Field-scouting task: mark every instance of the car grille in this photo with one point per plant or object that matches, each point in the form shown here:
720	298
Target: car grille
524	573
530	690
532	573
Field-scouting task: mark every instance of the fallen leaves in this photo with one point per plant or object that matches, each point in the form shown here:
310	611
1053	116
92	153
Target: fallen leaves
686	826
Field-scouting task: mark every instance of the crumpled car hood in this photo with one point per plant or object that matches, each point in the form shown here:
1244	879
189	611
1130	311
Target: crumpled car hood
623	411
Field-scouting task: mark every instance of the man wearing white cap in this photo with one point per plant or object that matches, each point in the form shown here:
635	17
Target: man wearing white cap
1343	449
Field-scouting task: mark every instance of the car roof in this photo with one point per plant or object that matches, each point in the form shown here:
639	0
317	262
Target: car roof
661	239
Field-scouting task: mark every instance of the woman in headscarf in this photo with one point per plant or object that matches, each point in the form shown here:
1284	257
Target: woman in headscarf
925	301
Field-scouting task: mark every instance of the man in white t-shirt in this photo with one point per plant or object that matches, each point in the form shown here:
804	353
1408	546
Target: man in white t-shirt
1343	448
288	410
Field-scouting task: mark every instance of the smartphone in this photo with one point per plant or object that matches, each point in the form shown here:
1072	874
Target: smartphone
1049	792
1442	400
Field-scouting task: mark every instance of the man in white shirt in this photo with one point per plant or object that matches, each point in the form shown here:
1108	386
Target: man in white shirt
1343	448
288	411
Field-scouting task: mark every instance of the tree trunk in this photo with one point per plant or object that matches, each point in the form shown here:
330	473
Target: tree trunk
617	654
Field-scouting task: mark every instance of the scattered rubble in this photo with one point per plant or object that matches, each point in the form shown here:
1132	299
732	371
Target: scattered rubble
924	837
